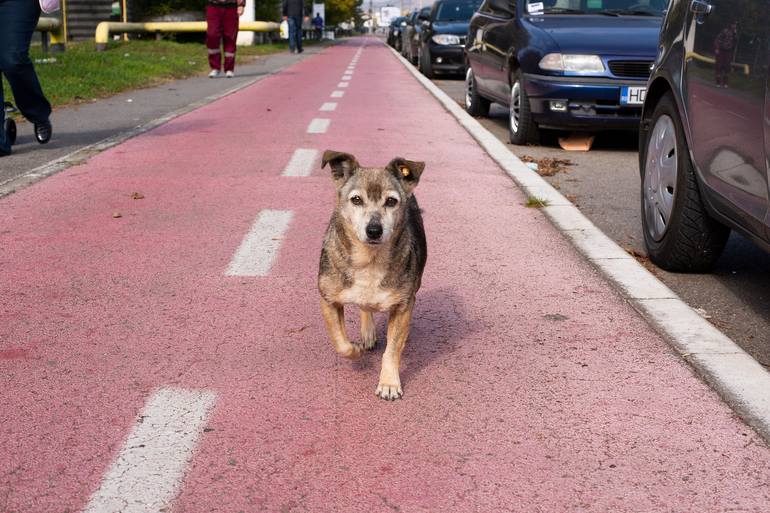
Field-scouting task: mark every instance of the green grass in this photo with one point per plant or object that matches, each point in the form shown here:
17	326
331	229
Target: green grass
82	74
534	202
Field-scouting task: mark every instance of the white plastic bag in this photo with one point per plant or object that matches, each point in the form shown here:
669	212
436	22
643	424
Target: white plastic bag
283	29
49	6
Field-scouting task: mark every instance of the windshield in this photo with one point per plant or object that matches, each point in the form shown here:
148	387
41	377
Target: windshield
455	11
605	7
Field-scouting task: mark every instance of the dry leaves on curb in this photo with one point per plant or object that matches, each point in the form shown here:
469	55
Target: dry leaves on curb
548	166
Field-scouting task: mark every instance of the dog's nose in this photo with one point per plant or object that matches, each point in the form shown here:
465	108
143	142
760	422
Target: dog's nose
374	231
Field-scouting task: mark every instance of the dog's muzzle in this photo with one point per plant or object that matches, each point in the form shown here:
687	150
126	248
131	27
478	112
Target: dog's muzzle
373	232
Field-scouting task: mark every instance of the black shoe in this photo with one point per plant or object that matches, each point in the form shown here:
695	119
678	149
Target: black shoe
43	132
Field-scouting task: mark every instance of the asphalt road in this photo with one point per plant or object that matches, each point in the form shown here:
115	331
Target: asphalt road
604	184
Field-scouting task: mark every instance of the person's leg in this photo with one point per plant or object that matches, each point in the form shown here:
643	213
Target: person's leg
298	32
214	36
230	31
5	144
292	31
18	19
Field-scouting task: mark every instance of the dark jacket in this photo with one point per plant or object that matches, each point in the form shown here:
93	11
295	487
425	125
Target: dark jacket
293	7
227	3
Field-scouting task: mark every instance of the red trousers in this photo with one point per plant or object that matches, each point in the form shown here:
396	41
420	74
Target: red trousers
222	24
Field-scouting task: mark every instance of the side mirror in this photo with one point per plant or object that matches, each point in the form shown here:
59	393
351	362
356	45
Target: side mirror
501	6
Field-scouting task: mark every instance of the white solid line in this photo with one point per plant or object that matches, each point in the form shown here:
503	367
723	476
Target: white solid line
318	126
337	94
301	163
328	106
146	475
260	246
740	380
343	84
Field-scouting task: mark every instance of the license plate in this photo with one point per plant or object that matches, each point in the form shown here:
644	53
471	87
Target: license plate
632	95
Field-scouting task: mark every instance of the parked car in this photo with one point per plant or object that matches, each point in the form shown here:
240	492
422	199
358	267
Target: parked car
411	34
563	64
394	32
442	37
704	141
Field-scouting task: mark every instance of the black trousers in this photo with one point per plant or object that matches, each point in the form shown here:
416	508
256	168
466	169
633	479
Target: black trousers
18	19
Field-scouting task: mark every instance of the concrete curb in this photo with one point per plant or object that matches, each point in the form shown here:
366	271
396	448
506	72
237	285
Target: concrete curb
86	152
739	379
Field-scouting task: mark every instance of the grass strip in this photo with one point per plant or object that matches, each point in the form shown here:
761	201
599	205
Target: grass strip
82	74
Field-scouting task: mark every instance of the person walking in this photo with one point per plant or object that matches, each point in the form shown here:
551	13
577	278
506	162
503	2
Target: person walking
18	19
724	50
293	13
222	29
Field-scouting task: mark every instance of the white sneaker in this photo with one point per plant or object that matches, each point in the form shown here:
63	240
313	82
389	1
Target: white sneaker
229	74
215	73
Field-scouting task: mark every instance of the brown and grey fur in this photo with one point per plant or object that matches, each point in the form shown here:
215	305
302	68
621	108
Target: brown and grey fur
378	277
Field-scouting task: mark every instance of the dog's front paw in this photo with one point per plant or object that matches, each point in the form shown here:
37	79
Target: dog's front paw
353	352
389	392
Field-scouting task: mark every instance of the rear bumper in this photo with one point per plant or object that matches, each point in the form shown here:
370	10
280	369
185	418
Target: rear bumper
592	103
447	58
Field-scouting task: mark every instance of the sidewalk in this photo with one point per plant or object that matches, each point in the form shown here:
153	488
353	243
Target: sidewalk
137	374
124	114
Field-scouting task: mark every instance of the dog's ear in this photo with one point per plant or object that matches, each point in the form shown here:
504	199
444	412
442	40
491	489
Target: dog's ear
408	171
342	164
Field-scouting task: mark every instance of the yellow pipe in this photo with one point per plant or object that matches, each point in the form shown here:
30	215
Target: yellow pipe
710	60
103	29
55	27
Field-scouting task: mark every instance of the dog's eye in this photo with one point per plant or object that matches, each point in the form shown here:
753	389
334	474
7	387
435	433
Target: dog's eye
391	202
356	200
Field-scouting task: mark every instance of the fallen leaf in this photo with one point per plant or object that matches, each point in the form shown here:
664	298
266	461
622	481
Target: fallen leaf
137	195
117	214
547	166
297	330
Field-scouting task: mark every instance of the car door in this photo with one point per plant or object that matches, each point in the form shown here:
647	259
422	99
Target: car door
724	86
490	33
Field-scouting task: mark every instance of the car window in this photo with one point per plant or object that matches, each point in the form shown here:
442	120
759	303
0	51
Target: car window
606	7
455	11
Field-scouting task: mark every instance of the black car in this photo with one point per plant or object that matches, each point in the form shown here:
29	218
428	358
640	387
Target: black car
705	136
563	64
394	32
442	38
410	35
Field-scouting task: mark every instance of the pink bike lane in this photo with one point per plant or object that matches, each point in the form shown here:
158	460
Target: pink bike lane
529	384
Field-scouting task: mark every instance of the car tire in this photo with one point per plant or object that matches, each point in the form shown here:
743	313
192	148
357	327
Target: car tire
475	104
397	45
424	64
678	233
521	126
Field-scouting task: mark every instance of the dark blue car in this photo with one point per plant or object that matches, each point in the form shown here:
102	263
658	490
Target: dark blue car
442	38
562	64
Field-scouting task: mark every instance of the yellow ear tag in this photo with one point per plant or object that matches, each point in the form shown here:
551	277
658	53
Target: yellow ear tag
405	171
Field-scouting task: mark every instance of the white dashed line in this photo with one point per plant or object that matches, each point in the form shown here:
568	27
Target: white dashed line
301	163
260	246
342	84
328	106
318	126
346	77
337	94
148	471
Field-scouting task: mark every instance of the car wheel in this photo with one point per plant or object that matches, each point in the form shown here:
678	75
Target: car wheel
397	45
678	233
522	128
475	104
424	64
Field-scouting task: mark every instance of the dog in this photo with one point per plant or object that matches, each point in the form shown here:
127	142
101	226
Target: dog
373	256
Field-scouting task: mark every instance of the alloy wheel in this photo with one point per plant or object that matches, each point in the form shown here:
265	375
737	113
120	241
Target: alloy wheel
515	106
468	87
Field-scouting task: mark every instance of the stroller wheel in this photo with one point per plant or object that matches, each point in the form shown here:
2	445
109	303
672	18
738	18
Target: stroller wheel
10	131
